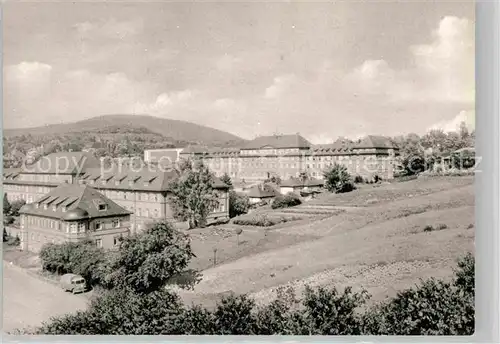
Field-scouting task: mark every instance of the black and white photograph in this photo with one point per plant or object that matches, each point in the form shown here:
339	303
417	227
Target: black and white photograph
239	168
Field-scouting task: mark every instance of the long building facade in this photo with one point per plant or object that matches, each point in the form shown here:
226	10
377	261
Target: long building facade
143	191
289	156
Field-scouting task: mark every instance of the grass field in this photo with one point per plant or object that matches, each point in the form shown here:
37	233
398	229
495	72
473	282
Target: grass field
376	241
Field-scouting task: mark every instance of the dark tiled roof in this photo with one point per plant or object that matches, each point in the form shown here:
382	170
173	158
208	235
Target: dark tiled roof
278	142
374	141
63	163
163	155
74	202
261	191
148	178
10	173
292	182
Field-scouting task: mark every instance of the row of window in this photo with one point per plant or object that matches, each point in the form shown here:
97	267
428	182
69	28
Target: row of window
44	178
68	227
129	195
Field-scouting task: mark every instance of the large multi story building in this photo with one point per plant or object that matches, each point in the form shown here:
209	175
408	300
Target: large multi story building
142	190
69	213
288	156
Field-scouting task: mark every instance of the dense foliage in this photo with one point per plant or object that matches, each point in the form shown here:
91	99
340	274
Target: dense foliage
262	220
238	204
286	201
432	308
144	262
338	179
82	258
192	196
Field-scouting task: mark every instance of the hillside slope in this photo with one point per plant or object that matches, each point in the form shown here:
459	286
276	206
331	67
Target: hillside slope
175	129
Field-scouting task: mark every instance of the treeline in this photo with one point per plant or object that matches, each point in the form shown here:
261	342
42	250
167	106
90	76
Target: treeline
133	300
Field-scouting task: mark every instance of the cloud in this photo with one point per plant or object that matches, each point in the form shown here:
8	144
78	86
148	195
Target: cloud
265	85
375	97
281	85
165	102
467	117
441	71
110	28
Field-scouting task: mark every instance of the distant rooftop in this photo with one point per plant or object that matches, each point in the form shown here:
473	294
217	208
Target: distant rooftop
278	142
62	163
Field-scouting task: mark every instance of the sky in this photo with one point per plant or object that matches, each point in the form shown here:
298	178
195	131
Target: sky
322	69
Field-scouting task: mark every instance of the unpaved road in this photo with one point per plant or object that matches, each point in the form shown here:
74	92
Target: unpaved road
28	301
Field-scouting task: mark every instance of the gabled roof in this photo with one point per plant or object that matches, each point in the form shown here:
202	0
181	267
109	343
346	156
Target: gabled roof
261	191
151	178
278	142
293	182
63	163
74	202
374	141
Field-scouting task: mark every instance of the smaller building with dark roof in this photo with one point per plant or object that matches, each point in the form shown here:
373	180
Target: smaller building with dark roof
70	213
261	193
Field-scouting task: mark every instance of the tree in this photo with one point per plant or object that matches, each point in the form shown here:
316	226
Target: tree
16	206
412	155
82	258
192	195
434	307
226	180
121	312
288	200
238	204
146	262
338	179
6	205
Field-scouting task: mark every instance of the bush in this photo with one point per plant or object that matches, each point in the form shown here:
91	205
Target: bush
238	204
289	200
338	180
263	220
358	179
438	227
81	258
16	206
432	308
8	220
13	241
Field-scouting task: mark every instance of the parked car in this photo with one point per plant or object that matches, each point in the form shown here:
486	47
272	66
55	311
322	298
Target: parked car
73	283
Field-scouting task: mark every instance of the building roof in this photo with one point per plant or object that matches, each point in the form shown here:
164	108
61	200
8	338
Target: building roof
149	178
74	202
63	163
375	141
278	142
293	182
164	156
261	191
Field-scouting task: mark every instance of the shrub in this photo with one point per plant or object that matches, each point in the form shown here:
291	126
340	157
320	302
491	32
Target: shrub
358	180
338	180
8	220
238	204
13	240
289	200
16	206
263	220
81	258
431	308
438	227
6	205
